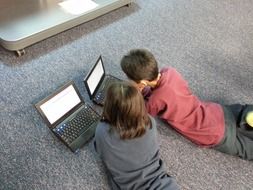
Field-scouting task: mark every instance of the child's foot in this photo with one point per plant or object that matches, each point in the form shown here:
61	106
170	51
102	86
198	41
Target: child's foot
249	118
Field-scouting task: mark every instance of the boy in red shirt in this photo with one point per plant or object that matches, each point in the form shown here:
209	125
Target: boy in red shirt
227	128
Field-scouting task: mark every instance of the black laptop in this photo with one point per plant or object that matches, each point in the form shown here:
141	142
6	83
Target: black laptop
97	82
68	116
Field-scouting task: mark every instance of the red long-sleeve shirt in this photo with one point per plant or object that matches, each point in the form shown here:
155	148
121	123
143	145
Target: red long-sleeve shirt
172	100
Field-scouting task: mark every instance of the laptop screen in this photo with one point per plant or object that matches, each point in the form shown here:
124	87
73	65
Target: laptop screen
95	76
59	104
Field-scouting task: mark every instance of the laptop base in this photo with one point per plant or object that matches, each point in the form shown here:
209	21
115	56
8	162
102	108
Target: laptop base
82	139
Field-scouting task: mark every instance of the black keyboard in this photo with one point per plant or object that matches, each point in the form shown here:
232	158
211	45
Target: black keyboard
102	92
72	129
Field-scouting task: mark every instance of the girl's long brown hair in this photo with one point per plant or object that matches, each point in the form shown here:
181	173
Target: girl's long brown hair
124	110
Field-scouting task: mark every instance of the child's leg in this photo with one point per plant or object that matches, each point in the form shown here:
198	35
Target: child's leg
244	146
240	145
235	142
243	116
236	109
227	145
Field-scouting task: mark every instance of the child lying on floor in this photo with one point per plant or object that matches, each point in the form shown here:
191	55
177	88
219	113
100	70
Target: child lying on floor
126	140
225	128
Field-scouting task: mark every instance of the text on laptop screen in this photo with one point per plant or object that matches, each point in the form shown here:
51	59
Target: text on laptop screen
60	104
95	76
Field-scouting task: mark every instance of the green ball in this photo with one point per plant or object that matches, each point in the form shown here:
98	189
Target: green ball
249	118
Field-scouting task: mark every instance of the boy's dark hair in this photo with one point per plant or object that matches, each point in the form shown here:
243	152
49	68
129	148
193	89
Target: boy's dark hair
140	64
125	111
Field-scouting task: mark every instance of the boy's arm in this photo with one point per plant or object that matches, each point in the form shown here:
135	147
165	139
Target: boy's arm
155	108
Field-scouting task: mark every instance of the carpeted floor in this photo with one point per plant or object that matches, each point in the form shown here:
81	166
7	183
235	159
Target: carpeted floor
209	42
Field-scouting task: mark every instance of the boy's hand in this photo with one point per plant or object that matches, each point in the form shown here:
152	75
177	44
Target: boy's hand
143	87
137	85
140	86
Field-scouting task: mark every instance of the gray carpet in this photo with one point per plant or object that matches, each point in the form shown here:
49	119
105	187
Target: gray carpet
209	42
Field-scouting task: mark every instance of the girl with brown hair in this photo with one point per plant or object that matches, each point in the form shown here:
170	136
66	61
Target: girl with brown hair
126	140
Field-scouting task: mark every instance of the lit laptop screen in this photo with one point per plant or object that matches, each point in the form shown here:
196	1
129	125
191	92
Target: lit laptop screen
95	76
60	104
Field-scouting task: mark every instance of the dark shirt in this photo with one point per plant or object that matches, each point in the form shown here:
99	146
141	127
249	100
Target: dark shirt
133	163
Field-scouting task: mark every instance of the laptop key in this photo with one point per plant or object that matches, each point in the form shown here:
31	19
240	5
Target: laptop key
71	130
